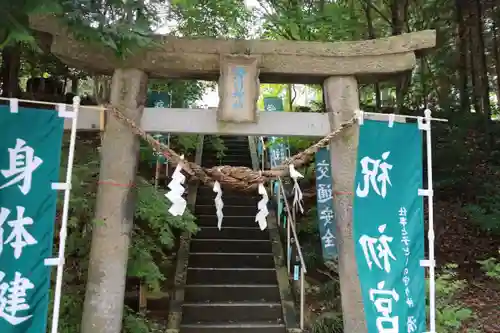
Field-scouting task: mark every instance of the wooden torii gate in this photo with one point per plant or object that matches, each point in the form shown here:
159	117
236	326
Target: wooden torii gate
239	66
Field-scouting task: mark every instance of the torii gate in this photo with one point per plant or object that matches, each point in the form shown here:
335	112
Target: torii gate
239	66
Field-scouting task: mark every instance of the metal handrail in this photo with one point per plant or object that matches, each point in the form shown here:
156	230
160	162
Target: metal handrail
292	226
291	232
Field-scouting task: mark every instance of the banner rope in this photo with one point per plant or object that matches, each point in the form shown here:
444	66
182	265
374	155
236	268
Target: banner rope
236	177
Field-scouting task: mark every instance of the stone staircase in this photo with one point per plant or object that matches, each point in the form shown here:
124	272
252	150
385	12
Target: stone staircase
231	283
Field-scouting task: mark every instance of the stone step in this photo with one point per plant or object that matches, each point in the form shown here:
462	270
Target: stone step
230	146
231	246
227	192
228	210
201	313
229	156
231	293
229	142
253	327
233	260
206	197
227	221
228	138
231	233
204	276
237	163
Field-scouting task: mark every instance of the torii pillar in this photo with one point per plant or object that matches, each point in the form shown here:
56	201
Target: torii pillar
342	101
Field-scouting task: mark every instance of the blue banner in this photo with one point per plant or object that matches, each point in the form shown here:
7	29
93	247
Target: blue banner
158	99
30	152
277	148
324	205
388	226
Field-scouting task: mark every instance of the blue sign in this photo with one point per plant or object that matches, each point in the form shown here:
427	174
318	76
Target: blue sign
324	205
158	99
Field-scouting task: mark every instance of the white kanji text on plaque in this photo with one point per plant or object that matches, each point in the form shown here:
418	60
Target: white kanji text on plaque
22	163
374	172
13	298
326	216
382	299
322	170
383	250
324	193
328	238
411	324
19	237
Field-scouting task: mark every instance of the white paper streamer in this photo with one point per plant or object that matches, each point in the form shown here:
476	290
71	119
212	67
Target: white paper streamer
297	192
176	190
262	206
219	204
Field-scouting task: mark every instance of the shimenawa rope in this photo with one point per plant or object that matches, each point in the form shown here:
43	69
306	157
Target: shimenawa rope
238	178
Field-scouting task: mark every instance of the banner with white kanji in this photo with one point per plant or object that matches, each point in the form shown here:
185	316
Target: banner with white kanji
30	152
324	205
277	147
388	226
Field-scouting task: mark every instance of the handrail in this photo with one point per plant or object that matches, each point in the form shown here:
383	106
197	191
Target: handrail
291	233
292	226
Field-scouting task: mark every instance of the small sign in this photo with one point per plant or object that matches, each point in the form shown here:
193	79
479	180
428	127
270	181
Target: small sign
324	205
238	89
159	99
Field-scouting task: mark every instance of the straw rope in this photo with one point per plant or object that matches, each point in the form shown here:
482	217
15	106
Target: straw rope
238	178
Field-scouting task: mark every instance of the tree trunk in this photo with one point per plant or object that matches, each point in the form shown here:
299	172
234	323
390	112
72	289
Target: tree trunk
485	84
103	307
478	60
371	35
399	14
462	58
473	71
496	53
341	98
11	65
74	85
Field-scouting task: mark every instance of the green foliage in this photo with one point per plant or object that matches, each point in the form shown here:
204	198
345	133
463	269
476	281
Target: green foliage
309	239
134	322
467	171
184	93
14	27
329	322
220	18
217	145
491	267
122	26
451	315
154	232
